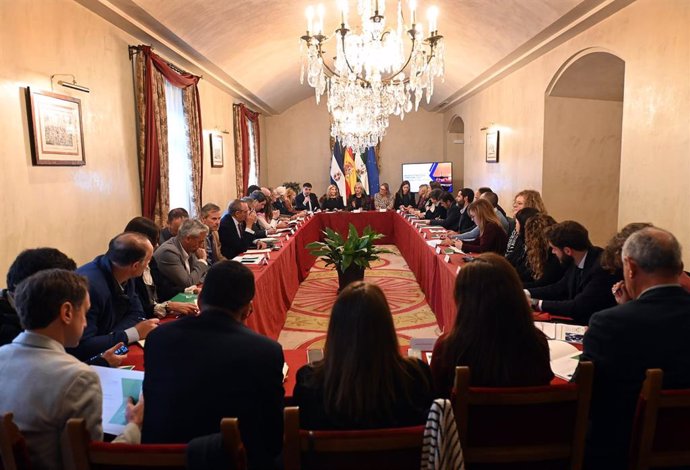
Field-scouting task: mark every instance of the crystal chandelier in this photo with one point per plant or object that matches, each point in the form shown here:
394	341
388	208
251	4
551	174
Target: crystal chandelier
367	80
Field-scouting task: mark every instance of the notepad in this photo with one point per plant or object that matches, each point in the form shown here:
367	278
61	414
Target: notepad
564	359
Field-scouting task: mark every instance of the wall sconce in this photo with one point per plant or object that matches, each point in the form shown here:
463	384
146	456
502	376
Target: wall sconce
73	84
490	127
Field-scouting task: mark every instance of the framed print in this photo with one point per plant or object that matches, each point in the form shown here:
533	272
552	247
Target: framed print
492	143
216	151
55	129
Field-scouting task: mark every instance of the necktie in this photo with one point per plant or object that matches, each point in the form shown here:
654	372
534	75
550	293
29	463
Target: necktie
309	204
239	229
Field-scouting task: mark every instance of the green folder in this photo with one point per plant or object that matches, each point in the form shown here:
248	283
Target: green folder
186	298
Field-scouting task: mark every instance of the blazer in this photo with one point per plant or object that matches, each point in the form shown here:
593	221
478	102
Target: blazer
623	342
450	222
493	239
465	223
332	203
354	202
231	244
171	275
579	295
201	369
301	203
213	247
403	200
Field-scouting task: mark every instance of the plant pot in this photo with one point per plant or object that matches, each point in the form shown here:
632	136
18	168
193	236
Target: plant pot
351	274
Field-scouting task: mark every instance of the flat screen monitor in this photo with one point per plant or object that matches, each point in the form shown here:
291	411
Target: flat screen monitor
422	173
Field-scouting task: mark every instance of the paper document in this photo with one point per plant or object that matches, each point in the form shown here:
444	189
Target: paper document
564	358
250	259
117	385
562	331
285	371
433	243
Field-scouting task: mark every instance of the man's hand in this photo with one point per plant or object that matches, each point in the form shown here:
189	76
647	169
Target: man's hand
282	225
261	245
276	214
251	219
458	244
184	308
135	413
145	327
620	293
447	241
201	253
113	359
270	231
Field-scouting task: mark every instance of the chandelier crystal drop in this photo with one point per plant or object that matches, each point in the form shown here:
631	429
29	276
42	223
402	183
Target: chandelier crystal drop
371	75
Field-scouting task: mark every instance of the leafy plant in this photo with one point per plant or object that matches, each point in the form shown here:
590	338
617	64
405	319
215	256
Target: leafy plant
355	249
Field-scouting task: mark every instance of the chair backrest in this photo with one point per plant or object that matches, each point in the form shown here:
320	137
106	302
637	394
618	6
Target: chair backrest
399	448
13	452
661	433
92	455
526	427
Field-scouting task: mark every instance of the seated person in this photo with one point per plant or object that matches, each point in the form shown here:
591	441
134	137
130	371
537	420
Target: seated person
116	315
210	216
493	199
450	222
251	188
359	200
491	234
527	198
222	366
306	200
333	200
464	199
422	198
175	219
404	198
27	263
235	232
145	286
383	199
544	267
366	383
267	218
255	206
279	200
585	287
517	257
181	261
43	385
493	334
649	331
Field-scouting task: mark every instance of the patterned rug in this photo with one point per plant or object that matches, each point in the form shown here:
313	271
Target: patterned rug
307	319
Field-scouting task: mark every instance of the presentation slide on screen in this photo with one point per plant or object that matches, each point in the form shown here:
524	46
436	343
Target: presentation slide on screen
422	173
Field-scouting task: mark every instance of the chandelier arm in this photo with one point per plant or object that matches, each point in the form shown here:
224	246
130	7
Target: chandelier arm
347	62
323	62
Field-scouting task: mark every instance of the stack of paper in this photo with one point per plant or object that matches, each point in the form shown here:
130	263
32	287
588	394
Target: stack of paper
266	252
562	331
251	259
117	386
564	359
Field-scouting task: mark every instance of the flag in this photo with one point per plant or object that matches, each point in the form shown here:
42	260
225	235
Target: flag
372	170
348	168
350	171
337	173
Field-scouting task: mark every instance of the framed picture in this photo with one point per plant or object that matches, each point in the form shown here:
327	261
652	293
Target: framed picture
216	151
55	129
492	143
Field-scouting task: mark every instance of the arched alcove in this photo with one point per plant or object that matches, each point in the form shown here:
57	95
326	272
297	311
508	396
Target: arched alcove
455	145
583	117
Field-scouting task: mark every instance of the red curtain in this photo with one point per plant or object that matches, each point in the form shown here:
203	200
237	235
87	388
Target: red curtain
247	115
152	163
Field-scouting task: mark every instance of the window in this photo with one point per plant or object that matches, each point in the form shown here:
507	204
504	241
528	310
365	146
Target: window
179	160
253	177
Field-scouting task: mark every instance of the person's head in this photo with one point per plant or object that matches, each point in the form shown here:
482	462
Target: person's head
251	189
175	219
279	192
491	197
306	189
359	189
267	192
216	295
54	301
130	252
651	257
332	191
210	216
611	259
528	198
290	194
192	235
238	209
31	261
145	227
384	189
481	191
435	195
434	185
259	200
536	243
447	200
404	187
521	218
361	355
423	190
567	239
482	213
465	197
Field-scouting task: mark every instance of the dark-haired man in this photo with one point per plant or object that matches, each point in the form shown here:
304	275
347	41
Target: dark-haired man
43	385
210	216
452	218
585	287
464	199
116	314
235	231
175	218
306	201
27	263
201	369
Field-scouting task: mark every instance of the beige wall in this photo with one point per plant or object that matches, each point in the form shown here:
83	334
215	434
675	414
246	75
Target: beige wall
653	39
78	209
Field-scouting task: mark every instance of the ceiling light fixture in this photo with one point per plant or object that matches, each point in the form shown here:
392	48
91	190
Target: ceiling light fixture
371	77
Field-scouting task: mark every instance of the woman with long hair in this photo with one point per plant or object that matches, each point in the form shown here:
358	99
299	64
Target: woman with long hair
359	200
422	199
363	381
404	198
493	334
333	201
491	234
543	268
518	256
524	199
383	199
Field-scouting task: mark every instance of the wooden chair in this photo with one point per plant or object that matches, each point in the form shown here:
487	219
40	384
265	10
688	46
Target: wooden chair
13	452
399	448
661	433
91	455
523	427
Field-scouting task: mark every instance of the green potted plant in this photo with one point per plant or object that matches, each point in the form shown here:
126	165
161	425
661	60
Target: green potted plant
350	256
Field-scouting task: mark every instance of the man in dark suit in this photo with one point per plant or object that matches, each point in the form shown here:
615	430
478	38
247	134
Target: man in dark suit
585	287
306	201
235	231
649	331
201	369
464	199
452	218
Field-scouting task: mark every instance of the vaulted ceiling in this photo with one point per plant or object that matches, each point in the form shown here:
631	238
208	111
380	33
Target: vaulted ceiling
251	47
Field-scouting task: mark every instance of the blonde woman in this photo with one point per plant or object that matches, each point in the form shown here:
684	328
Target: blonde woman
491	234
333	201
359	200
524	199
383	199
